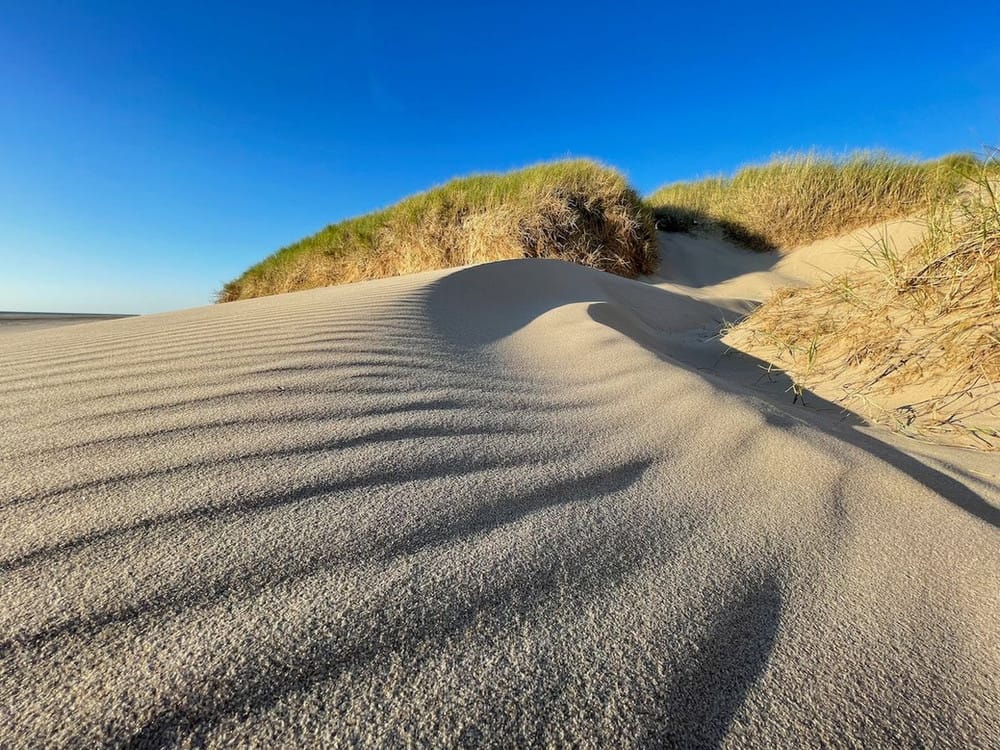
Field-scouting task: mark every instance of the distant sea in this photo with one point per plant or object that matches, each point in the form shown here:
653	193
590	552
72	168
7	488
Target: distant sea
18	322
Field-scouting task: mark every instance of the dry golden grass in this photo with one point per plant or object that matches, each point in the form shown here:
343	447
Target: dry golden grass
797	199
576	210
914	341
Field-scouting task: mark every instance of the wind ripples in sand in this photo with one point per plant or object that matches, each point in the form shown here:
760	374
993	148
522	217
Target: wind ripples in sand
394	513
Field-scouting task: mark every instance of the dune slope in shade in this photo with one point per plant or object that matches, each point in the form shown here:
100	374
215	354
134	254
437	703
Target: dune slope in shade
482	507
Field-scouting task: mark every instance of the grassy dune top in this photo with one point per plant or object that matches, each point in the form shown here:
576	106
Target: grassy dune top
793	200
914	340
575	210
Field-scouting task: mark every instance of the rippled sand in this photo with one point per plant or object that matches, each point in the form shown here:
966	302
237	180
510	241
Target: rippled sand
523	503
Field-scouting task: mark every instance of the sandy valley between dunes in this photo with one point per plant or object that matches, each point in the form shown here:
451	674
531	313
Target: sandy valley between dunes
522	503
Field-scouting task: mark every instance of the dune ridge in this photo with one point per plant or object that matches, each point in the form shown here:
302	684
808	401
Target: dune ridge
574	209
519	503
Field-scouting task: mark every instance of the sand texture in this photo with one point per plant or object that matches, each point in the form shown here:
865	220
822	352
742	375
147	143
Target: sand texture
517	504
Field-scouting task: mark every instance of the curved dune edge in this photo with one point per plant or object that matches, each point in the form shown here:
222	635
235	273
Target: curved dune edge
518	503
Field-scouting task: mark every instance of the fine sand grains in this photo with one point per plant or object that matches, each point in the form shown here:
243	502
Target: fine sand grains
509	505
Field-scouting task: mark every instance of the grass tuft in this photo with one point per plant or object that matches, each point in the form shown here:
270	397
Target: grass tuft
913	339
575	210
796	199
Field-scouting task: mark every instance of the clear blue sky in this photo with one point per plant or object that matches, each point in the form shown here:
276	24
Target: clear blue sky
151	151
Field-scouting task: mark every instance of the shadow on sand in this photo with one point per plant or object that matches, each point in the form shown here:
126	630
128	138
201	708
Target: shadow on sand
498	301
680	219
506	302
734	655
730	661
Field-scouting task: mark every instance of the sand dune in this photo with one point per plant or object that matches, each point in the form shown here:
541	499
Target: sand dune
523	503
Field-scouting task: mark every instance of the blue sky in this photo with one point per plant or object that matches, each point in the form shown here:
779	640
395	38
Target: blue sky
148	154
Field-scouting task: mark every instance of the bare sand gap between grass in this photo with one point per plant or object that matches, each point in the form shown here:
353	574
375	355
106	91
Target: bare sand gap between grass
522	503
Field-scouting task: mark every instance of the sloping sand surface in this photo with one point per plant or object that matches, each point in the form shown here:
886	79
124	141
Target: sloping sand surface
720	268
524	503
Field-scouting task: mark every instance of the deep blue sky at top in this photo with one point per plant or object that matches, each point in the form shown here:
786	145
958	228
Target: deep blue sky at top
151	151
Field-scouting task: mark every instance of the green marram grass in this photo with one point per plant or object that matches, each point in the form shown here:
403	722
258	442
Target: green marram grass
575	210
799	198
910	339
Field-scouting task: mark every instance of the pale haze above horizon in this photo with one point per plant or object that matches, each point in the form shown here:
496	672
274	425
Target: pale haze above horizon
150	154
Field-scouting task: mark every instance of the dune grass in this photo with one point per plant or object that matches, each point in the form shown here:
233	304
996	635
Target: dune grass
796	199
914	341
575	210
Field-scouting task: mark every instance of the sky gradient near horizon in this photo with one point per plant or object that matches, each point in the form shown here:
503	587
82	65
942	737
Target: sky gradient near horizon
149	154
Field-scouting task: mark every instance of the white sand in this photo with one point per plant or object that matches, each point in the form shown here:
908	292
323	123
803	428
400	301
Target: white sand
523	503
721	269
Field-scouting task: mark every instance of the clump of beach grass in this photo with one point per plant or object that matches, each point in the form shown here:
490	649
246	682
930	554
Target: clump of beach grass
913	340
800	198
574	210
